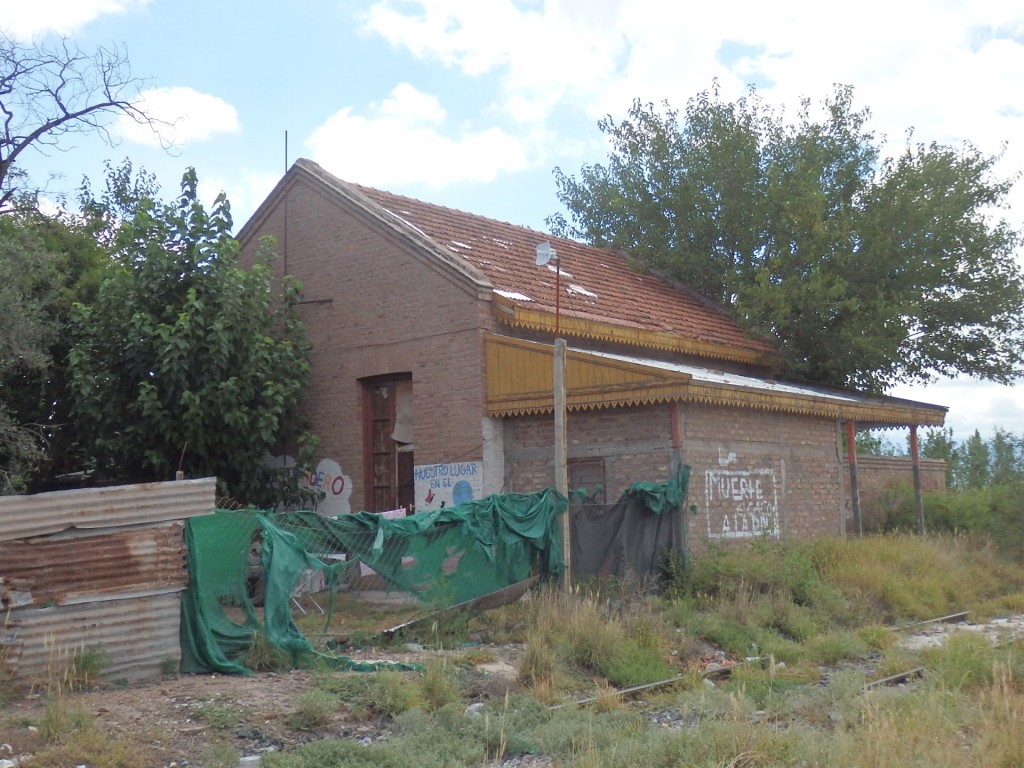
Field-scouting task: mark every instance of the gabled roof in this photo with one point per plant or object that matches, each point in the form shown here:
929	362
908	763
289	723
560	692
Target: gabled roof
601	297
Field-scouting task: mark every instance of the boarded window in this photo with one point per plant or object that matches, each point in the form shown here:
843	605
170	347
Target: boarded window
588	475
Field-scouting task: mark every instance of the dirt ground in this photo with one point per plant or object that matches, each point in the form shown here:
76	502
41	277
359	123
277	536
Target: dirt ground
163	716
160	716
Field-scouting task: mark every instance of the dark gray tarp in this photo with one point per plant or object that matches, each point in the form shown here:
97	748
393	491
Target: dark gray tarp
632	537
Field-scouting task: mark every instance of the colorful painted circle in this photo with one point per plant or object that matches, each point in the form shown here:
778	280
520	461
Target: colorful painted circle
462	493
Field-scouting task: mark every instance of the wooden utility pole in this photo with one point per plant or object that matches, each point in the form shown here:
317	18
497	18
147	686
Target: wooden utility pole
562	458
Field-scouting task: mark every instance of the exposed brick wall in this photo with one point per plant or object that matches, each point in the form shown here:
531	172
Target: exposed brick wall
388	309
760	473
634	443
746	466
388	313
877	476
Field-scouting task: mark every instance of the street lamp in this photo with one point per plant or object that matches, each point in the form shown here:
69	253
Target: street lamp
545	255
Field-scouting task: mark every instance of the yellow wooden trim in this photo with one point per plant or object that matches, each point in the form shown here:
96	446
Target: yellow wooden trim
520	379
861	411
518	316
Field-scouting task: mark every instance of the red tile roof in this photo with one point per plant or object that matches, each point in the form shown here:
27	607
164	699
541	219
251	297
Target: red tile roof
596	284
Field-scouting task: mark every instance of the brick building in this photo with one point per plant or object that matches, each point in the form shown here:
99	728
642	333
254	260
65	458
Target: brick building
432	383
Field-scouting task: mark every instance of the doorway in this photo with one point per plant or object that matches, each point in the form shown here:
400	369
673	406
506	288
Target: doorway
388	443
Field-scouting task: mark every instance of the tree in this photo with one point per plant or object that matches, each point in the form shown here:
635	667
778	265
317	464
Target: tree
1007	457
869	443
974	467
867	270
939	444
186	361
48	263
27	285
51	92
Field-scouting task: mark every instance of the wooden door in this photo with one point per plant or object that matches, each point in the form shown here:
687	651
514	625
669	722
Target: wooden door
388	463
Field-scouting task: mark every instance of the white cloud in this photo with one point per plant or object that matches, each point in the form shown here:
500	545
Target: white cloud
183	115
914	64
403	140
27	20
980	405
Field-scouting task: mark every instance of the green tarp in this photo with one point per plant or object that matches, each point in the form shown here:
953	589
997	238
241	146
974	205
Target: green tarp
443	557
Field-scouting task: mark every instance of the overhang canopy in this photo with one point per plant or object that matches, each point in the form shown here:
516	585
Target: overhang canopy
520	381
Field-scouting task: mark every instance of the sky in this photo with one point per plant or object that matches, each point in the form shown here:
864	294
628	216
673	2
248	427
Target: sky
473	103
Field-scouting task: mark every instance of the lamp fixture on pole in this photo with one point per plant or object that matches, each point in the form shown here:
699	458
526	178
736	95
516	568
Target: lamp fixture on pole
545	255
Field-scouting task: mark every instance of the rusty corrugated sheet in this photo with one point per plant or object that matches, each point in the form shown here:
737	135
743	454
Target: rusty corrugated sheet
137	634
79	566
97	566
44	513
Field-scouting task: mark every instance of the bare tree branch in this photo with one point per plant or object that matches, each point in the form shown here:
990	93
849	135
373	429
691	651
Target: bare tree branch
50	92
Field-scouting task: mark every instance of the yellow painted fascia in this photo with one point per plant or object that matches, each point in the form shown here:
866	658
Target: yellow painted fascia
517	316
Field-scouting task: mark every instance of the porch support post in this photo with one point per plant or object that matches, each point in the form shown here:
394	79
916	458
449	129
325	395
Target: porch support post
851	455
915	461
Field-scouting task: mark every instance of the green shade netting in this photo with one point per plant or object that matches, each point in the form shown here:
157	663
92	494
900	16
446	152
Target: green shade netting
661	497
443	557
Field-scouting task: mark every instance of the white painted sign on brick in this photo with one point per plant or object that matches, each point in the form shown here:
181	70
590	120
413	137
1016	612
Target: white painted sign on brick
741	503
446	485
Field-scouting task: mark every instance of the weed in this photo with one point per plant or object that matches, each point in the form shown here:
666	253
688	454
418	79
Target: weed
170	666
218	716
220	755
314	708
832	647
264	656
965	661
87	745
538	664
439	685
387	693
631	664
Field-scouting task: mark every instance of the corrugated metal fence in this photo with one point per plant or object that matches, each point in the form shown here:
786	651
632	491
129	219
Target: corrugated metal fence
96	567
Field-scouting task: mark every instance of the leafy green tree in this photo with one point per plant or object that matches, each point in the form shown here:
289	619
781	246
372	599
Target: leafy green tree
939	444
868	270
28	283
1006	452
874	444
37	395
186	361
974	469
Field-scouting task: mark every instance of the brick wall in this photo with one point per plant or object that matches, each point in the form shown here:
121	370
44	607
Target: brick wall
878	476
387	311
752	472
634	444
760	473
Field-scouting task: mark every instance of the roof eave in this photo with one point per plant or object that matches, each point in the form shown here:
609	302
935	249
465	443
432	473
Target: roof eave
541	319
